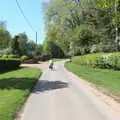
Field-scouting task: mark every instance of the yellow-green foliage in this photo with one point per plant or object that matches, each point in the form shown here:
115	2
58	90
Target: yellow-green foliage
100	60
23	58
89	60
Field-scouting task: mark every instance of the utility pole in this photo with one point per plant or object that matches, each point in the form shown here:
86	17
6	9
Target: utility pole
36	43
36	38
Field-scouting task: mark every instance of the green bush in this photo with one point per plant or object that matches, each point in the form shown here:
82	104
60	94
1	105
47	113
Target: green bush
110	61
8	56
8	64
23	58
88	60
12	56
99	60
4	56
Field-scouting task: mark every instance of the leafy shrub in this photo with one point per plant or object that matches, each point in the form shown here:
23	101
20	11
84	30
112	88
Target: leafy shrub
7	64
12	56
8	56
89	60
99	60
4	56
110	61
23	58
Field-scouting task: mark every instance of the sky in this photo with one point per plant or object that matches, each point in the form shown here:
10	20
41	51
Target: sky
15	21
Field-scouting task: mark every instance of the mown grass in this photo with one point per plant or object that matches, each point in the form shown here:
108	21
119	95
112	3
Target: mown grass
15	86
57	59
107	79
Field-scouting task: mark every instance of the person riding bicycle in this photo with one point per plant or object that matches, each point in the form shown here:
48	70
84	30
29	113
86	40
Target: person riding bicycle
51	64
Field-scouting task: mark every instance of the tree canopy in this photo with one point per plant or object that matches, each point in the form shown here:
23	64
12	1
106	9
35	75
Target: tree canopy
77	25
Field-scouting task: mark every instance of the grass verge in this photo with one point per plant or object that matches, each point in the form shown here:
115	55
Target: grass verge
57	59
15	87
106	79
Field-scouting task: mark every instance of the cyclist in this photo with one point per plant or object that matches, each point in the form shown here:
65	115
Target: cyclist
51	65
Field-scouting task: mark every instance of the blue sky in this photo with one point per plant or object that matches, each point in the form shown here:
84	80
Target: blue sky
15	21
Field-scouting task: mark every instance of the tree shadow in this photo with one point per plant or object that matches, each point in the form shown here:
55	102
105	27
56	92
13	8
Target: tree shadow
29	84
8	70
18	83
45	85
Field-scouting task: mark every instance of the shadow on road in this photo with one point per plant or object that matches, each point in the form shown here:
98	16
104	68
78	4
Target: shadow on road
45	85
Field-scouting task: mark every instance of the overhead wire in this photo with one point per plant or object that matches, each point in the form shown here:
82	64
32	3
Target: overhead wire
25	17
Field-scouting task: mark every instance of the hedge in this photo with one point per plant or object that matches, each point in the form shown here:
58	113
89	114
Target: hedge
8	56
87	60
110	61
23	58
99	60
8	64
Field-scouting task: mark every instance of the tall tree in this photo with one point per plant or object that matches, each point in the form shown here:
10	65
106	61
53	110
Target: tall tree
31	49
23	41
5	37
15	45
52	49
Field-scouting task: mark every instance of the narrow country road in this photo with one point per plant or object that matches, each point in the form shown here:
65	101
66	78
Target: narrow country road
58	96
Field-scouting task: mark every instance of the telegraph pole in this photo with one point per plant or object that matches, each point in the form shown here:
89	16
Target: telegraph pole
36	38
